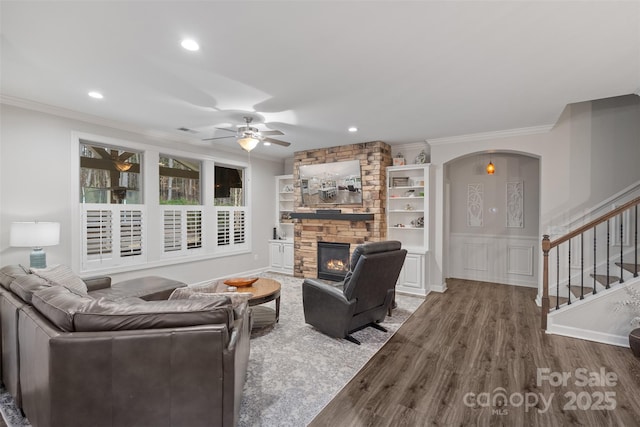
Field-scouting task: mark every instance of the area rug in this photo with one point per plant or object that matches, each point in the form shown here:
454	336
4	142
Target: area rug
294	370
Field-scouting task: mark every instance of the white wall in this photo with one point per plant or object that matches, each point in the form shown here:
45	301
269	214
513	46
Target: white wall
37	182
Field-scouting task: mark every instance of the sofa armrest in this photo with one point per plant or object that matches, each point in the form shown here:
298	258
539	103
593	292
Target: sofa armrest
95	283
175	374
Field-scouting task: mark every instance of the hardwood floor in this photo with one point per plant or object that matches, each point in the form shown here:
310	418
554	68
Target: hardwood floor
476	338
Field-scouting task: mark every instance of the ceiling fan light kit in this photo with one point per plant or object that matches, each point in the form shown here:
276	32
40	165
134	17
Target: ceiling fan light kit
248	143
249	137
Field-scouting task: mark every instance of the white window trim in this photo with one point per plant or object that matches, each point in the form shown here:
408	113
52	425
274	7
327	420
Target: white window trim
150	190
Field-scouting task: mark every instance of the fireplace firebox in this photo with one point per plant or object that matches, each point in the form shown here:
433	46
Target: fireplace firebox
333	260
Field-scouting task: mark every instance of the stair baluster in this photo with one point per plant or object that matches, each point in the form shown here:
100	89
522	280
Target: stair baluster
608	247
595	264
582	266
635	243
621	247
569	270
557	277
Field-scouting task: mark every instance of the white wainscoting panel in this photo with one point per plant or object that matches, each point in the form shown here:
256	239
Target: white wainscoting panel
520	260
493	258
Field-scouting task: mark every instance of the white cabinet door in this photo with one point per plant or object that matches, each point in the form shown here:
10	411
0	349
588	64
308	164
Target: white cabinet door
411	275
275	255
287	256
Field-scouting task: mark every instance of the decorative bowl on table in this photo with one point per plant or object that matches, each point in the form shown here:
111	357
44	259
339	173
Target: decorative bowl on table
241	281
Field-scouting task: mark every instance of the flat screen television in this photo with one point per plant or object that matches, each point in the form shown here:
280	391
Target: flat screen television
337	183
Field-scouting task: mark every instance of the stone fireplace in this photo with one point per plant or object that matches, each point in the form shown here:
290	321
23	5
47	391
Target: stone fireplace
349	224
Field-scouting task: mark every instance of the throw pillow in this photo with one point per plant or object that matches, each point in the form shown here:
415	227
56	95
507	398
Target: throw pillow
61	275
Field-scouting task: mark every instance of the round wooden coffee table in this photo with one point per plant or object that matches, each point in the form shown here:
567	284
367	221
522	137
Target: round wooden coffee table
263	290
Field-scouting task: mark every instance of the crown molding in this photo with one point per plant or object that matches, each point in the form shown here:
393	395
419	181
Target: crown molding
491	135
412	145
114	124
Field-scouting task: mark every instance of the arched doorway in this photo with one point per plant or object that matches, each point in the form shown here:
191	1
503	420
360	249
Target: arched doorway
493	220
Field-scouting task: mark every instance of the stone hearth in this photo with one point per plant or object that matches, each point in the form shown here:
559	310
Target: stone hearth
374	157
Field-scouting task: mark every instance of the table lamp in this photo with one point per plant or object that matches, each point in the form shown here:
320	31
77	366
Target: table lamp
35	235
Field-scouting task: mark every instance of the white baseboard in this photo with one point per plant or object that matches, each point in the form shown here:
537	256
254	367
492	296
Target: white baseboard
439	288
567	331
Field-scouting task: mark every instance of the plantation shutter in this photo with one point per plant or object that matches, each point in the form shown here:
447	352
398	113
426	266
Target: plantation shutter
194	229
130	233
172	230
224	228
98	234
238	227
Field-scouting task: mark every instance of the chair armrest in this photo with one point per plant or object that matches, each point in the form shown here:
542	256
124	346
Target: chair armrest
95	283
326	308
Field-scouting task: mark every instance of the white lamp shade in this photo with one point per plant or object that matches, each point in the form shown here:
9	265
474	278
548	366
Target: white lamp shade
248	143
34	234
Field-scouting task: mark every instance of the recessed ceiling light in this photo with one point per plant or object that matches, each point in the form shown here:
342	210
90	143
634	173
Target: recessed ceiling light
96	95
190	44
353	129
267	143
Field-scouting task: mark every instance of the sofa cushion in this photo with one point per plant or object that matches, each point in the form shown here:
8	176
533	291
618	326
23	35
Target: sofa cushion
25	286
61	275
59	304
237	298
107	315
147	288
9	273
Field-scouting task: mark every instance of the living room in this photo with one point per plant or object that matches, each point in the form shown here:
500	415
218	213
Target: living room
579	121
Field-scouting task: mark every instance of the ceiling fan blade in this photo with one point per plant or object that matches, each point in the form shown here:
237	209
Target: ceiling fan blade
218	137
271	132
276	141
228	130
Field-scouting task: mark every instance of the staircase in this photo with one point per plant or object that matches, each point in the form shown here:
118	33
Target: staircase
590	268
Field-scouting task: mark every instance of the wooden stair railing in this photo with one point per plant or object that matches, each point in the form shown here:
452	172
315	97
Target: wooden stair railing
605	279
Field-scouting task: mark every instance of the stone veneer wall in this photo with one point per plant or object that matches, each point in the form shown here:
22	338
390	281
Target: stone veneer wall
374	158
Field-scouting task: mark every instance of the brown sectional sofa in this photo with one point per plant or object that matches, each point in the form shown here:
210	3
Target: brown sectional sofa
121	354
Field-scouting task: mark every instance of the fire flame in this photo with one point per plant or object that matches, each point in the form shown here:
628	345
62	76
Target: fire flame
336	265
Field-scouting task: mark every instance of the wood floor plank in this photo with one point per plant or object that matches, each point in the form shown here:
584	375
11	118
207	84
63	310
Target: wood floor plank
481	339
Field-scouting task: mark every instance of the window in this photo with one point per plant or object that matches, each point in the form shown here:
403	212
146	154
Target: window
119	229
109	175
179	181
228	186
230	209
110	196
179	187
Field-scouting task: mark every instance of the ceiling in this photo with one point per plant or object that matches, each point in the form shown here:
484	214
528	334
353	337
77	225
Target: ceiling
402	72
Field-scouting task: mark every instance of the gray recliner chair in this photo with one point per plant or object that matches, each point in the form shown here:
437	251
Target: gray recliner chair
362	299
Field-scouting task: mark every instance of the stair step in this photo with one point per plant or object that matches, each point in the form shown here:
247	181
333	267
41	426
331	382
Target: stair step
602	278
560	301
631	267
575	290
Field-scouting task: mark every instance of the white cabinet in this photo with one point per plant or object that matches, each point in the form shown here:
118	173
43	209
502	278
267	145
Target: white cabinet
412	275
408	220
284	206
281	256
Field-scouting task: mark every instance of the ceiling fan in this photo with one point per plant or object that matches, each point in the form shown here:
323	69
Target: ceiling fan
248	136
